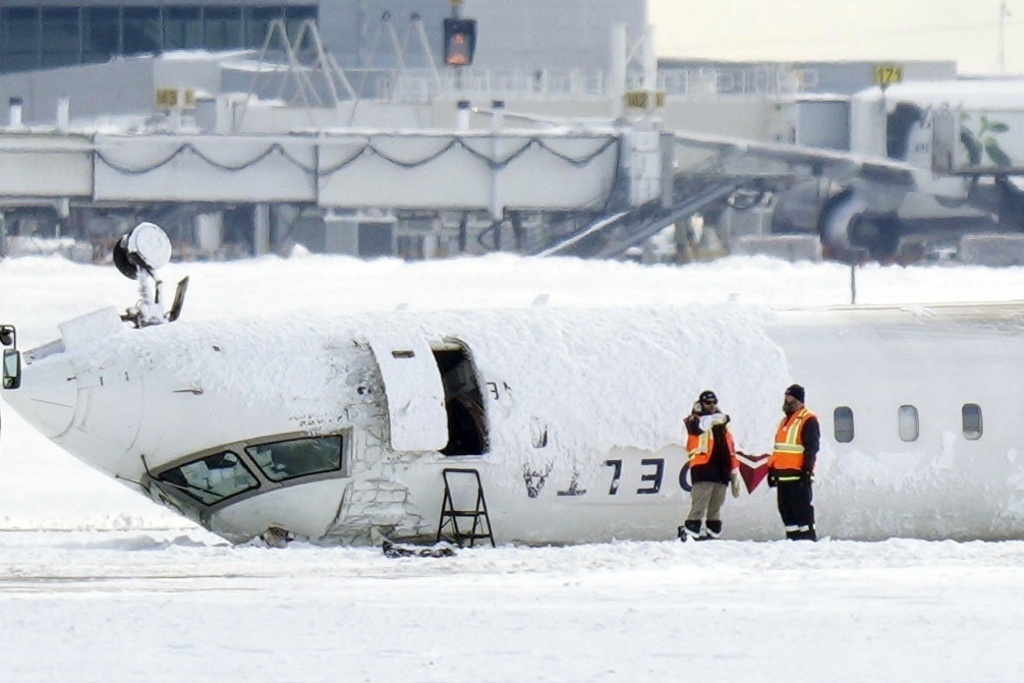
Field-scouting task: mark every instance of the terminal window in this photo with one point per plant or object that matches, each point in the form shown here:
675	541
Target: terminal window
19	39
222	27
101	34
61	41
257	22
46	35
183	28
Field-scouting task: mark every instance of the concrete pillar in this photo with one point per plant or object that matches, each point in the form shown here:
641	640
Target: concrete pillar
341	234
498	121
261	229
430	246
15	106
209	231
497	153
282	217
650	69
63	114
617	84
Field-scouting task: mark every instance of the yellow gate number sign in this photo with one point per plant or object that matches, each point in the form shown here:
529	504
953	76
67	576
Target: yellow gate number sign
166	98
173	98
637	99
887	74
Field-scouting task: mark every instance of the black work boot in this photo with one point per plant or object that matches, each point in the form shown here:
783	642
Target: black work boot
802	535
714	528
690	529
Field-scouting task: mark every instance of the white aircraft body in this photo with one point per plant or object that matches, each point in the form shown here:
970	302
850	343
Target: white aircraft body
338	430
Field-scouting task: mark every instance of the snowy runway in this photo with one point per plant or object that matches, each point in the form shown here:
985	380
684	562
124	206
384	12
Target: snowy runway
180	604
99	584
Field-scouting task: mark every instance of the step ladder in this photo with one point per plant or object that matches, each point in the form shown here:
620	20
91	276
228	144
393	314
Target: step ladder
450	515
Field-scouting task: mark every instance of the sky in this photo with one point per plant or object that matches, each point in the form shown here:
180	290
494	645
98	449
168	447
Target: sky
967	31
99	584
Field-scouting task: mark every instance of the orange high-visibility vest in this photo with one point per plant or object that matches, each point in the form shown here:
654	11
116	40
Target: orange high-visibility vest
789	448
700	446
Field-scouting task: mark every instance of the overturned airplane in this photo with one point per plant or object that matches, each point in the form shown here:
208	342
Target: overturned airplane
533	426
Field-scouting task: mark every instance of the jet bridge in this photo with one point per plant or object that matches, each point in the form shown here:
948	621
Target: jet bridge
362	169
565	170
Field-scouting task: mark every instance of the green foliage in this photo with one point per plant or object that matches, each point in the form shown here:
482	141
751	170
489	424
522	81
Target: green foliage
982	142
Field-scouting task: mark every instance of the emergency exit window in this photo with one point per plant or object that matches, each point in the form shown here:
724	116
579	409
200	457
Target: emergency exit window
971	414
842	420
909	424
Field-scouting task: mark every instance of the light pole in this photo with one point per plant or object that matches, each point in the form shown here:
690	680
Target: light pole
1003	13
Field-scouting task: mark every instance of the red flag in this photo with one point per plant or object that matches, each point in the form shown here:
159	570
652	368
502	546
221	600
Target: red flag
753	469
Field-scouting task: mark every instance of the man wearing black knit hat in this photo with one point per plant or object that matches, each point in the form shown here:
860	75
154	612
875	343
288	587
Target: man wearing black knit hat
791	465
713	467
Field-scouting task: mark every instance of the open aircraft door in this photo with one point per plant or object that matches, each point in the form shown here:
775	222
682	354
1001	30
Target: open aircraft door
415	393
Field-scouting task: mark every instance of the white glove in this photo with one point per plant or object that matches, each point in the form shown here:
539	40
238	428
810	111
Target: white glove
734	483
709	421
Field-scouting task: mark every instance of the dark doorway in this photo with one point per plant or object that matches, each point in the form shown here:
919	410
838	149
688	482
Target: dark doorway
467	419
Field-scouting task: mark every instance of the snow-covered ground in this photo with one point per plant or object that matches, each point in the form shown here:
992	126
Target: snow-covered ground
99	584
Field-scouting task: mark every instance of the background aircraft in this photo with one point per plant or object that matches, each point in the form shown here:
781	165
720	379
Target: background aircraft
927	161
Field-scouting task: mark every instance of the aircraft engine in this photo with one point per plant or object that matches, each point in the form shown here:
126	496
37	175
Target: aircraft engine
851	231
852	221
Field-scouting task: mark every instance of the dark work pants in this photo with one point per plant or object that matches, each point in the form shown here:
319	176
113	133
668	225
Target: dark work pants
795	507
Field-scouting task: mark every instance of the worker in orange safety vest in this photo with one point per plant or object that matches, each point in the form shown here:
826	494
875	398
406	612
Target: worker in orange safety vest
713	467
791	465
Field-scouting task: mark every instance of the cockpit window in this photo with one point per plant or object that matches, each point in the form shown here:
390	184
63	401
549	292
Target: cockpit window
297	458
213	478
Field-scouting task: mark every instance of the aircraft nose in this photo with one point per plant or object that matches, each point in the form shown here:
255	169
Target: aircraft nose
92	411
47	397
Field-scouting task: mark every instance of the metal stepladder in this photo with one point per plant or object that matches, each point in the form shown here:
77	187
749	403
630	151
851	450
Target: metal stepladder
450	514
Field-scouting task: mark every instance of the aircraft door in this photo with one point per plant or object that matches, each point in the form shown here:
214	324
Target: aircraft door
415	393
467	417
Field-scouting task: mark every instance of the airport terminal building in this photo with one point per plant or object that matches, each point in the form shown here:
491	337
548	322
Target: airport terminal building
76	73
56	33
44	34
170	111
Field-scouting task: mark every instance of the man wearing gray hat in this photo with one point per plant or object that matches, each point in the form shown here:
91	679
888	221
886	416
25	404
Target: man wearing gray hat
791	465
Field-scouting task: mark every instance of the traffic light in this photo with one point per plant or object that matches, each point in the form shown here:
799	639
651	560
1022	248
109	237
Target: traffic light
459	41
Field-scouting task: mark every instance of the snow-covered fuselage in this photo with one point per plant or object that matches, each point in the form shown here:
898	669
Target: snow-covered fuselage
337	429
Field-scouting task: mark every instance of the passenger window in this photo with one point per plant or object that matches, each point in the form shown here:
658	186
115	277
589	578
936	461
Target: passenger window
971	413
842	418
297	458
211	479
910	426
